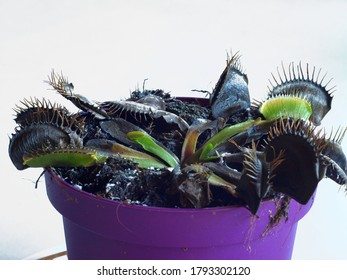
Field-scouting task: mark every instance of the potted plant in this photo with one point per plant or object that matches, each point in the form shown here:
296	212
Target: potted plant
157	177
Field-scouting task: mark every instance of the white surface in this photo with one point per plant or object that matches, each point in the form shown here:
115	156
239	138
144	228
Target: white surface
108	48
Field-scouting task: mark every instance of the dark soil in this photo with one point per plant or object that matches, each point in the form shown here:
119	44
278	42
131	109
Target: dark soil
122	180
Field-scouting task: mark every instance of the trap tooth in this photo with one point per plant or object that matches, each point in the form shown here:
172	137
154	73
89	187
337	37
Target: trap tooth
35	111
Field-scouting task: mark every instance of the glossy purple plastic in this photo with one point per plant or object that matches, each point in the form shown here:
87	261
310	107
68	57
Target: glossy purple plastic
98	228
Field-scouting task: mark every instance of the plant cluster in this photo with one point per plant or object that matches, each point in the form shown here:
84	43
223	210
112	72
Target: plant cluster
250	150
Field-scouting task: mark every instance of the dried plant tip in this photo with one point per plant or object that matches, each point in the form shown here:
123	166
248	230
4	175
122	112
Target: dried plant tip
66	89
59	83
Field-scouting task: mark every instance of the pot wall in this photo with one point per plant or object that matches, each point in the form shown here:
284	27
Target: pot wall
98	228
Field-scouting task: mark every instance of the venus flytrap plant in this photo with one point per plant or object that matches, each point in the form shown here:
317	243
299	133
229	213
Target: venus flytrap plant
250	152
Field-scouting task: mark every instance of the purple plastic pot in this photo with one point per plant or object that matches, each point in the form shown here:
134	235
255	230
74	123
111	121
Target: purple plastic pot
98	228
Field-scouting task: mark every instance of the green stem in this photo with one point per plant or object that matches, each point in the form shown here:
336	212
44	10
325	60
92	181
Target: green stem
202	154
149	145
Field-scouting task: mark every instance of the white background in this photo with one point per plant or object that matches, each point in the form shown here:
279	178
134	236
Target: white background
107	49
